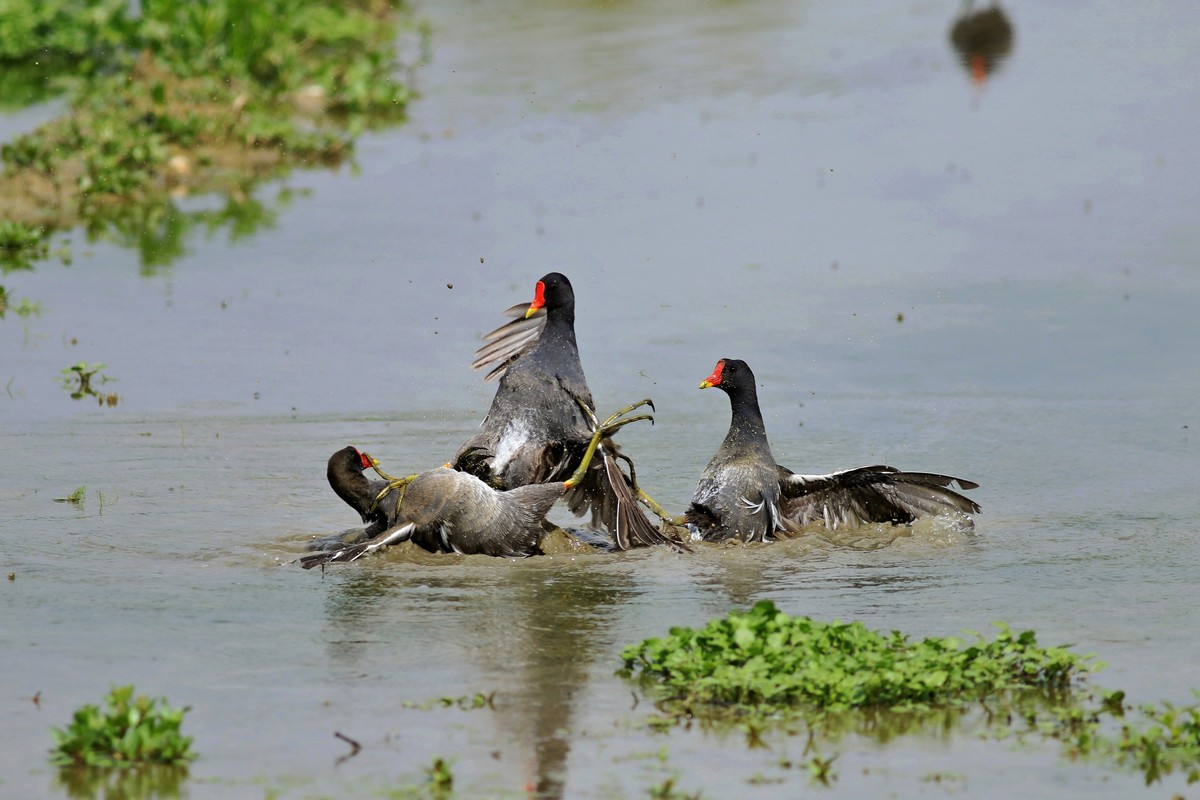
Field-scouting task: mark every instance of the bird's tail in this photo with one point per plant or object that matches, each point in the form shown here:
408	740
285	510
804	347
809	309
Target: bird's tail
630	526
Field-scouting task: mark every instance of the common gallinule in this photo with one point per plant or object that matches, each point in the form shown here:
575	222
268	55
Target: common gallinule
445	510
982	38
536	429
743	494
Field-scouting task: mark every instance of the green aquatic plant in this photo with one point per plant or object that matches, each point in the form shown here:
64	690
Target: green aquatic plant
79	378
46	44
764	658
764	667
1156	739
439	778
465	702
23	308
20	245
667	791
75	497
131	731
183	97
1167	739
820	770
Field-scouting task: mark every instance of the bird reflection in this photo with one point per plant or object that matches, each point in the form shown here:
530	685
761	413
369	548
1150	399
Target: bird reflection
530	628
982	39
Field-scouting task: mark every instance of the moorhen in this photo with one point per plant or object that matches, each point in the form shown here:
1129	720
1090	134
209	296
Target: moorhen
743	494
445	510
983	39
536	429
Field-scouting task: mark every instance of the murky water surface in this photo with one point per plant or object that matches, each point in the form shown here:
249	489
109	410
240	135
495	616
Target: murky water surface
999	282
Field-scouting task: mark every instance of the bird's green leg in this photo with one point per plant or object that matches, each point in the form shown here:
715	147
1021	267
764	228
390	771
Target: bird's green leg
611	424
658	510
577	476
601	430
393	484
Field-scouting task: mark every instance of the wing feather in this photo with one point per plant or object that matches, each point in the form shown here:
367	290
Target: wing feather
356	551
876	493
607	491
510	341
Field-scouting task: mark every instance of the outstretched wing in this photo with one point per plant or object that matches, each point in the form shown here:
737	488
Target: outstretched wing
877	493
510	341
356	551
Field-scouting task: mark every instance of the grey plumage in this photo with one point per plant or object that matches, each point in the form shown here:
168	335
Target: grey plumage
744	494
442	510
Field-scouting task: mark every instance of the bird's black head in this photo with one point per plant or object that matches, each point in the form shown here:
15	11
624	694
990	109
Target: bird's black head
729	374
553	292
349	459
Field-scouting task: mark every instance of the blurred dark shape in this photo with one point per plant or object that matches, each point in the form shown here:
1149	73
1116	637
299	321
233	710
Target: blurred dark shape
982	39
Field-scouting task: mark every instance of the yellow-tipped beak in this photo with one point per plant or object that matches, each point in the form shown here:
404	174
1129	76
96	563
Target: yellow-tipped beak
706	385
539	300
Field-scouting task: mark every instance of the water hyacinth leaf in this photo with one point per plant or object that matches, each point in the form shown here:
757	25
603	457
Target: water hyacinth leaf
129	733
765	656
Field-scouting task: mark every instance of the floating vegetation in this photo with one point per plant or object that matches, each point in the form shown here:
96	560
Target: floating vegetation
182	97
132	731
79	378
23	308
1157	740
667	791
20	245
75	497
764	667
440	778
466	702
765	658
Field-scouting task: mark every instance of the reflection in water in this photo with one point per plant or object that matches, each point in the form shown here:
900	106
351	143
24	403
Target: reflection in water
997	715
982	39
81	380
160	228
116	783
532	626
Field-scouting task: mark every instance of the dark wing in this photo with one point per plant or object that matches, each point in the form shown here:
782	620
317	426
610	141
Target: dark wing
510	341
876	493
608	492
355	551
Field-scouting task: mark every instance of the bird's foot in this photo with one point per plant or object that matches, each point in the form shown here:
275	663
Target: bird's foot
617	419
601	430
390	479
394	484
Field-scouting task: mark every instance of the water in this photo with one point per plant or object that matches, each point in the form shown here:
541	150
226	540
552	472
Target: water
999	283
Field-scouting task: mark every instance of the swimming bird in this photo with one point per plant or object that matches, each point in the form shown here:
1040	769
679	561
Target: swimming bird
744	494
537	430
445	510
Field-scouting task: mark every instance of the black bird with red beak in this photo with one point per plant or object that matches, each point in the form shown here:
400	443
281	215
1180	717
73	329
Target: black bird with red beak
536	430
743	494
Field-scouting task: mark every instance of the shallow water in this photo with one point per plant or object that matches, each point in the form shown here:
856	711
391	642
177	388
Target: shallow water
999	283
